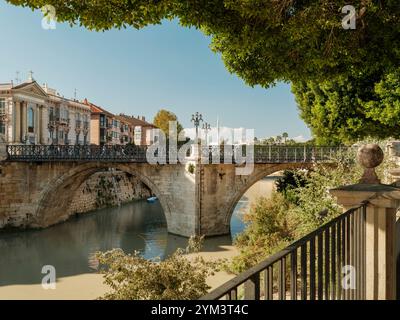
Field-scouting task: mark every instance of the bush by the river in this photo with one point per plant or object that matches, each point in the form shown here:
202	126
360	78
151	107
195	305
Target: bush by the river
297	207
132	277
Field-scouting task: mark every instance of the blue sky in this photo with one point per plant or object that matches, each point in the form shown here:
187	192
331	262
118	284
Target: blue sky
141	71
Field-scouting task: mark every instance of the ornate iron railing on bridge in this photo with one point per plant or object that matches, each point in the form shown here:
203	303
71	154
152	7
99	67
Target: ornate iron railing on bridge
269	153
115	153
309	269
132	153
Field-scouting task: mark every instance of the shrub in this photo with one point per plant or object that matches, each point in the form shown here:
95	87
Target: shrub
191	168
298	207
132	277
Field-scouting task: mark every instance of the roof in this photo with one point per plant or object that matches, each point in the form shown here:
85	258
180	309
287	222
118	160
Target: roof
135	121
96	109
28	84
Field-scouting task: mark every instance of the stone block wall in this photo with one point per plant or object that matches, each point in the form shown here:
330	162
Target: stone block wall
106	189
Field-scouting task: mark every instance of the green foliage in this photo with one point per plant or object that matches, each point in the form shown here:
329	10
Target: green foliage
191	168
277	221
162	120
270	228
350	108
263	41
132	277
289	181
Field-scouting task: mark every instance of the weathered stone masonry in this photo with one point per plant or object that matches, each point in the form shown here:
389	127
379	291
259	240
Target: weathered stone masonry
42	194
106	189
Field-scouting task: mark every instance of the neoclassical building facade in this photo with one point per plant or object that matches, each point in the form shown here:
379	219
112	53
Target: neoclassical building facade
32	114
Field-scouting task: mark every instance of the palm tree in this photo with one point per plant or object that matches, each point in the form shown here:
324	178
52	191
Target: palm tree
278	139
285	136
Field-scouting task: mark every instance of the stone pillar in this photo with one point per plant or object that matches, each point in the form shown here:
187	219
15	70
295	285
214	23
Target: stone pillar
383	202
24	122
40	128
17	129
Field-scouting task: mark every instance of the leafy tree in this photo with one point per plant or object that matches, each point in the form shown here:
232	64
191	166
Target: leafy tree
162	120
263	41
350	108
132	277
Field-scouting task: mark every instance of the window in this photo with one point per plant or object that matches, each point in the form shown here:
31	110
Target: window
138	135
2	111
102	120
51	114
115	135
2	105
31	120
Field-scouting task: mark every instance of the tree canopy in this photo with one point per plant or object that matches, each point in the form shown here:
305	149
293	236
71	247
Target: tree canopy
350	108
262	41
162	120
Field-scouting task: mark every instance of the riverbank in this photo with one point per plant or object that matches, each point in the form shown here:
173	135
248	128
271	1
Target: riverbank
70	244
90	286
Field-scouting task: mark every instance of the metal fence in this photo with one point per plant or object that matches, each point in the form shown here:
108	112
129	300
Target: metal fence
327	264
208	154
37	153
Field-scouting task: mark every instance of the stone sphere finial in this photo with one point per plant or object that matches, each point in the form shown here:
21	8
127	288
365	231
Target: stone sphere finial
370	156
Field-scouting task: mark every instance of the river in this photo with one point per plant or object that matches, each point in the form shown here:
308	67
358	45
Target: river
69	246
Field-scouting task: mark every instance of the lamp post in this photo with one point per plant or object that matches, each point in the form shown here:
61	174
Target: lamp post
206	128
197	118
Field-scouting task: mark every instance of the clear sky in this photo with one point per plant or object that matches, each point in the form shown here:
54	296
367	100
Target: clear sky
139	72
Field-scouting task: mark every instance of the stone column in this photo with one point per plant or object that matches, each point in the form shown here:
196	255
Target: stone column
17	129
383	202
24	122
40	128
36	121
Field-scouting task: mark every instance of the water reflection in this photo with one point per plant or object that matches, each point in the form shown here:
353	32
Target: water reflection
69	246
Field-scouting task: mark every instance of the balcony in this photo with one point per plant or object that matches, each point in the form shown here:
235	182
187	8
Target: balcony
54	120
3	115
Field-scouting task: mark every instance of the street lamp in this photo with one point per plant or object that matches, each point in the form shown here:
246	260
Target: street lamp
197	118
206	128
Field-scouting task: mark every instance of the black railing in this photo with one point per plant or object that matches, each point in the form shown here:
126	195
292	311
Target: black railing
327	264
218	154
40	153
268	154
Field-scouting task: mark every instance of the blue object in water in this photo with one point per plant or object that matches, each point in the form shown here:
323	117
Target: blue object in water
152	199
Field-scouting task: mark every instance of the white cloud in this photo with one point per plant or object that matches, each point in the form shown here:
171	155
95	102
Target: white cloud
300	139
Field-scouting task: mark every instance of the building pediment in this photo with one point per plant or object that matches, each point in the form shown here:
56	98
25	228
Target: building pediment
31	89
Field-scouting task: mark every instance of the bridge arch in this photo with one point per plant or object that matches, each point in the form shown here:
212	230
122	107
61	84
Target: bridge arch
59	192
260	172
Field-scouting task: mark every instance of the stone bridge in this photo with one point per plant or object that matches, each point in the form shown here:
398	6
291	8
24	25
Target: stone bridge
37	184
